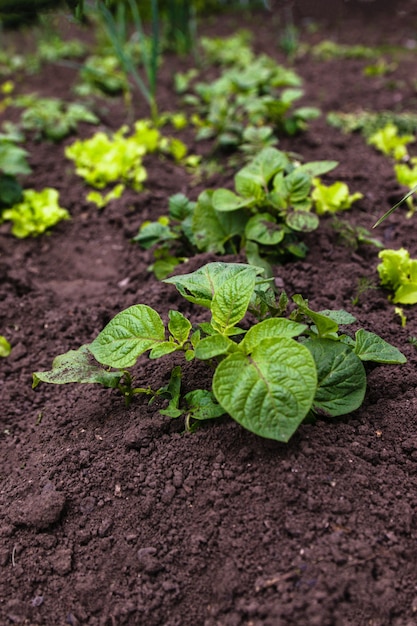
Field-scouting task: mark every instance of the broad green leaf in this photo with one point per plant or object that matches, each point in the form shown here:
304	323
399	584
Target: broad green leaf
202	405
297	185
77	366
162	349
128	335
371	347
200	286
269	392
268	329
253	255
302	221
317	168
261	170
264	230
179	326
213	229
340	316
231	300
180	207
214	345
325	325
154	233
341	377
5	347
225	200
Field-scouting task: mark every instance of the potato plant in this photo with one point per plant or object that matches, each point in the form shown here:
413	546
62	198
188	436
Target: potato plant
270	207
268	376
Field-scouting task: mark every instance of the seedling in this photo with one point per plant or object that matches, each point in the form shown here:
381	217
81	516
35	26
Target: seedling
52	118
390	142
269	377
13	163
270	207
5	347
256	93
117	159
398	272
37	212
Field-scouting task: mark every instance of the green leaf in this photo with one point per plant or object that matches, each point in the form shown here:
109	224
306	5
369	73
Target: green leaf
212	346
340	316
302	221
128	335
269	329
341	377
269	392
153	233
173	390
162	349
371	347
231	300
202	405
325	325
5	347
200	286
213	229
225	200
261	170
317	168
179	326
77	366
263	229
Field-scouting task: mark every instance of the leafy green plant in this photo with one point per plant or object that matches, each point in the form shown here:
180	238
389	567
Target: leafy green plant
268	378
327	50
51	117
13	163
398	272
5	347
388	141
117	159
354	236
264	216
332	198
369	122
258	94
37	212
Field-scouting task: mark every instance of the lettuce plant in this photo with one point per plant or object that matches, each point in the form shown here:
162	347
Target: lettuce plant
5	347
388	141
332	198
117	159
37	212
269	208
398	272
268	377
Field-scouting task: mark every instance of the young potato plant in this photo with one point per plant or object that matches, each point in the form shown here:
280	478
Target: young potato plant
13	164
258	93
117	159
52	118
264	216
268	378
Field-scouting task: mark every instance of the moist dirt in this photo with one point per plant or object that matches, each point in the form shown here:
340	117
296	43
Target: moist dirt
116	516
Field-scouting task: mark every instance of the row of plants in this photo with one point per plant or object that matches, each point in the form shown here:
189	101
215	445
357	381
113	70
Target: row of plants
292	363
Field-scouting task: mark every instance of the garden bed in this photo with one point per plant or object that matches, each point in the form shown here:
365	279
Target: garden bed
112	515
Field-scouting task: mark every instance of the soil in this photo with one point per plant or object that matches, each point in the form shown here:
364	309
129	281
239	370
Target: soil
114	516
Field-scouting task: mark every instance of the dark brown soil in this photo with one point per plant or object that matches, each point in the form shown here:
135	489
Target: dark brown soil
113	516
